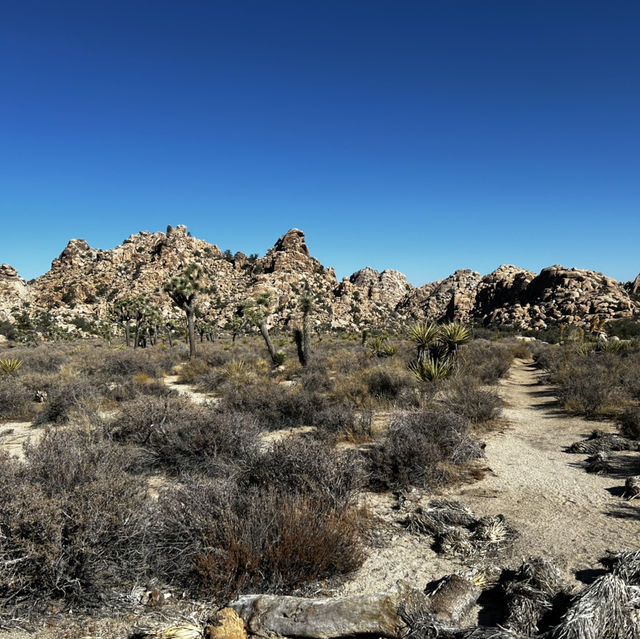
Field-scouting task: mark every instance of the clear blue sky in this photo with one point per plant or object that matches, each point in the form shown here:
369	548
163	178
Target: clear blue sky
417	135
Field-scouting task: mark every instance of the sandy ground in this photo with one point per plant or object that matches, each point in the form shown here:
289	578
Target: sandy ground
561	512
171	381
14	434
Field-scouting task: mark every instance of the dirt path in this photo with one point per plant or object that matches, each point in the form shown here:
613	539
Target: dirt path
13	435
561	511
171	381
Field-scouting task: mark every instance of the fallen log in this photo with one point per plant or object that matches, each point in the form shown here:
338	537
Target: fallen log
382	614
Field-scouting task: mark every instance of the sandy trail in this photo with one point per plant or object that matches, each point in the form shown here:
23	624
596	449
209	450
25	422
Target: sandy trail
13	435
171	381
561	511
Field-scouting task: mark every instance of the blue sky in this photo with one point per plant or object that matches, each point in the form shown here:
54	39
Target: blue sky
416	135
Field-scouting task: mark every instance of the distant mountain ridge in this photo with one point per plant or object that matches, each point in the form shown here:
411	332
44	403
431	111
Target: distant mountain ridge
84	281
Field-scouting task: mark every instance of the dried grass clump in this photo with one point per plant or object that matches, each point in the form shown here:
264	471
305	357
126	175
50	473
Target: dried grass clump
626	565
530	593
606	609
455	542
603	442
632	487
456	530
599	464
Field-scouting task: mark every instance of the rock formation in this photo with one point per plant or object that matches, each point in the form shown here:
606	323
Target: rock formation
14	292
84	281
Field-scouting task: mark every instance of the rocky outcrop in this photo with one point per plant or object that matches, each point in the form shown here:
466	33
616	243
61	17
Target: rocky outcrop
453	297
84	281
386	288
634	287
556	295
290	253
14	292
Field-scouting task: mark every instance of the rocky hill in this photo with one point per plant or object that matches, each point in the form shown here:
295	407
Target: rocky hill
83	282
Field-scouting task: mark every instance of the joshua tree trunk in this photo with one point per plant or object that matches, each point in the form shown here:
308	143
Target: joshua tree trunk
264	330
127	334
170	337
191	335
297	336
306	339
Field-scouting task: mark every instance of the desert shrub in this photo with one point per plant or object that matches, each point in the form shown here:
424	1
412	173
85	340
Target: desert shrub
520	349
178	435
139	385
302	463
44	358
69	397
587	384
630	423
16	400
476	405
390	384
316	378
192	371
105	365
274	405
485	361
221	540
417	446
626	328
71	521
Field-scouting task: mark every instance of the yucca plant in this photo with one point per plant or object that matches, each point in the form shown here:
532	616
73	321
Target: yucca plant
10	366
425	335
431	369
380	347
453	335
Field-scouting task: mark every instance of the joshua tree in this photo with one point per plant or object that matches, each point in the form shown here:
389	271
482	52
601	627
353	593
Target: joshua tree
205	327
258	313
183	290
236	325
122	312
303	337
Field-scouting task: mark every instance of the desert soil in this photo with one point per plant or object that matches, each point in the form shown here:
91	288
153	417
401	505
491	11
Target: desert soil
561	512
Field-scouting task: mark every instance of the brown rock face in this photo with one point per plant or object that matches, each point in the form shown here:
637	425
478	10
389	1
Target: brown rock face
290	253
634	287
